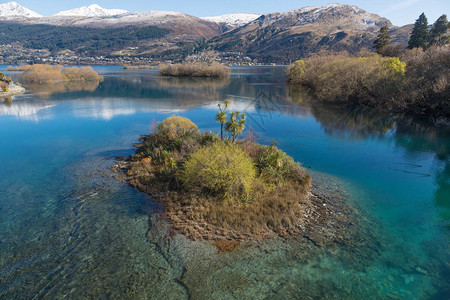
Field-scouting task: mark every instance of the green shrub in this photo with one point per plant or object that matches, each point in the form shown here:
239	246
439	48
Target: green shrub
297	70
276	166
176	127
222	169
394	64
236	124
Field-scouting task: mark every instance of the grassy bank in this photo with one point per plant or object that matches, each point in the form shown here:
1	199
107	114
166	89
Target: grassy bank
418	82
219	189
195	70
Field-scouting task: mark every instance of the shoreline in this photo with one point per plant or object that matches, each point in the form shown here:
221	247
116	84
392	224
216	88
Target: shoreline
13	90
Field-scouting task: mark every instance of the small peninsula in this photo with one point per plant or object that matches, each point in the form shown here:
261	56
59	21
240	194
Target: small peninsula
8	88
227	189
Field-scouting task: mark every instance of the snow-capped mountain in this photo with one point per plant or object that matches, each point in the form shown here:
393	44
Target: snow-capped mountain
332	14
93	10
232	20
302	32
13	9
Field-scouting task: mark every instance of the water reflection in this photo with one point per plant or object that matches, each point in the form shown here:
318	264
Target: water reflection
107	108
46	90
409	133
26	110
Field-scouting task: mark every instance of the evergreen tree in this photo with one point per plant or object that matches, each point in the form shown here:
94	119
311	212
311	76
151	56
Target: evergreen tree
419	35
438	35
383	40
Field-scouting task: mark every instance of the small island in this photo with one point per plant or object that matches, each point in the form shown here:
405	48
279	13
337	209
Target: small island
8	88
195	69
226	189
43	73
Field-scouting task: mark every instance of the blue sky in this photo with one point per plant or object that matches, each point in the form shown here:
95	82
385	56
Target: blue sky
400	12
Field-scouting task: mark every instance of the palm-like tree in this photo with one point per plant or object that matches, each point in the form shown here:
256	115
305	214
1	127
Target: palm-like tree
236	124
221	116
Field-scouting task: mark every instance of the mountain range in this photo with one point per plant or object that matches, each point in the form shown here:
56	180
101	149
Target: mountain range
273	37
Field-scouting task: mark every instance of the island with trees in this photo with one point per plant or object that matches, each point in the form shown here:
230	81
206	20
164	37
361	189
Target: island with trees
44	73
195	69
226	189
415	80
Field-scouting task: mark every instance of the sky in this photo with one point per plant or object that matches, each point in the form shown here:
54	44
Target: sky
400	12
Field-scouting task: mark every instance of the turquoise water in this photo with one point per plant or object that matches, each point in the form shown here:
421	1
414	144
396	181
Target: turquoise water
67	229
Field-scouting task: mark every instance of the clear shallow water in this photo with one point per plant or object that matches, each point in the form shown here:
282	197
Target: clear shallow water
67	230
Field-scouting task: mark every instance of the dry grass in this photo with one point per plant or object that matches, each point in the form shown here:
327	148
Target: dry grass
195	70
227	245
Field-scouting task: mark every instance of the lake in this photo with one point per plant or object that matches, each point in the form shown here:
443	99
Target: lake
69	230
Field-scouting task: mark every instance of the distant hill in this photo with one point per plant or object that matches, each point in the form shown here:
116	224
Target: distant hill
282	37
270	38
98	41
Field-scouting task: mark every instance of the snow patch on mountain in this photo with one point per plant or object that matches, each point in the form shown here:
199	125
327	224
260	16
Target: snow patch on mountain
233	20
93	10
13	9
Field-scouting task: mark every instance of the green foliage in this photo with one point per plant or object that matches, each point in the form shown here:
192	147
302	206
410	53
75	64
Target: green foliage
394	64
275	166
175	127
5	89
383	40
221	116
297	70
419	35
221	169
236	124
439	33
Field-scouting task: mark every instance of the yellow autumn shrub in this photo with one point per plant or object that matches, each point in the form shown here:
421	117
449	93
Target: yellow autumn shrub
175	126
221	169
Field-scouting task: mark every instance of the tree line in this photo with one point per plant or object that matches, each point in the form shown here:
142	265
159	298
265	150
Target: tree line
422	36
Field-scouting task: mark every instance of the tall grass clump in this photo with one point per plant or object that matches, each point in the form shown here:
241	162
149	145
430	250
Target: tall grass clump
197	69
